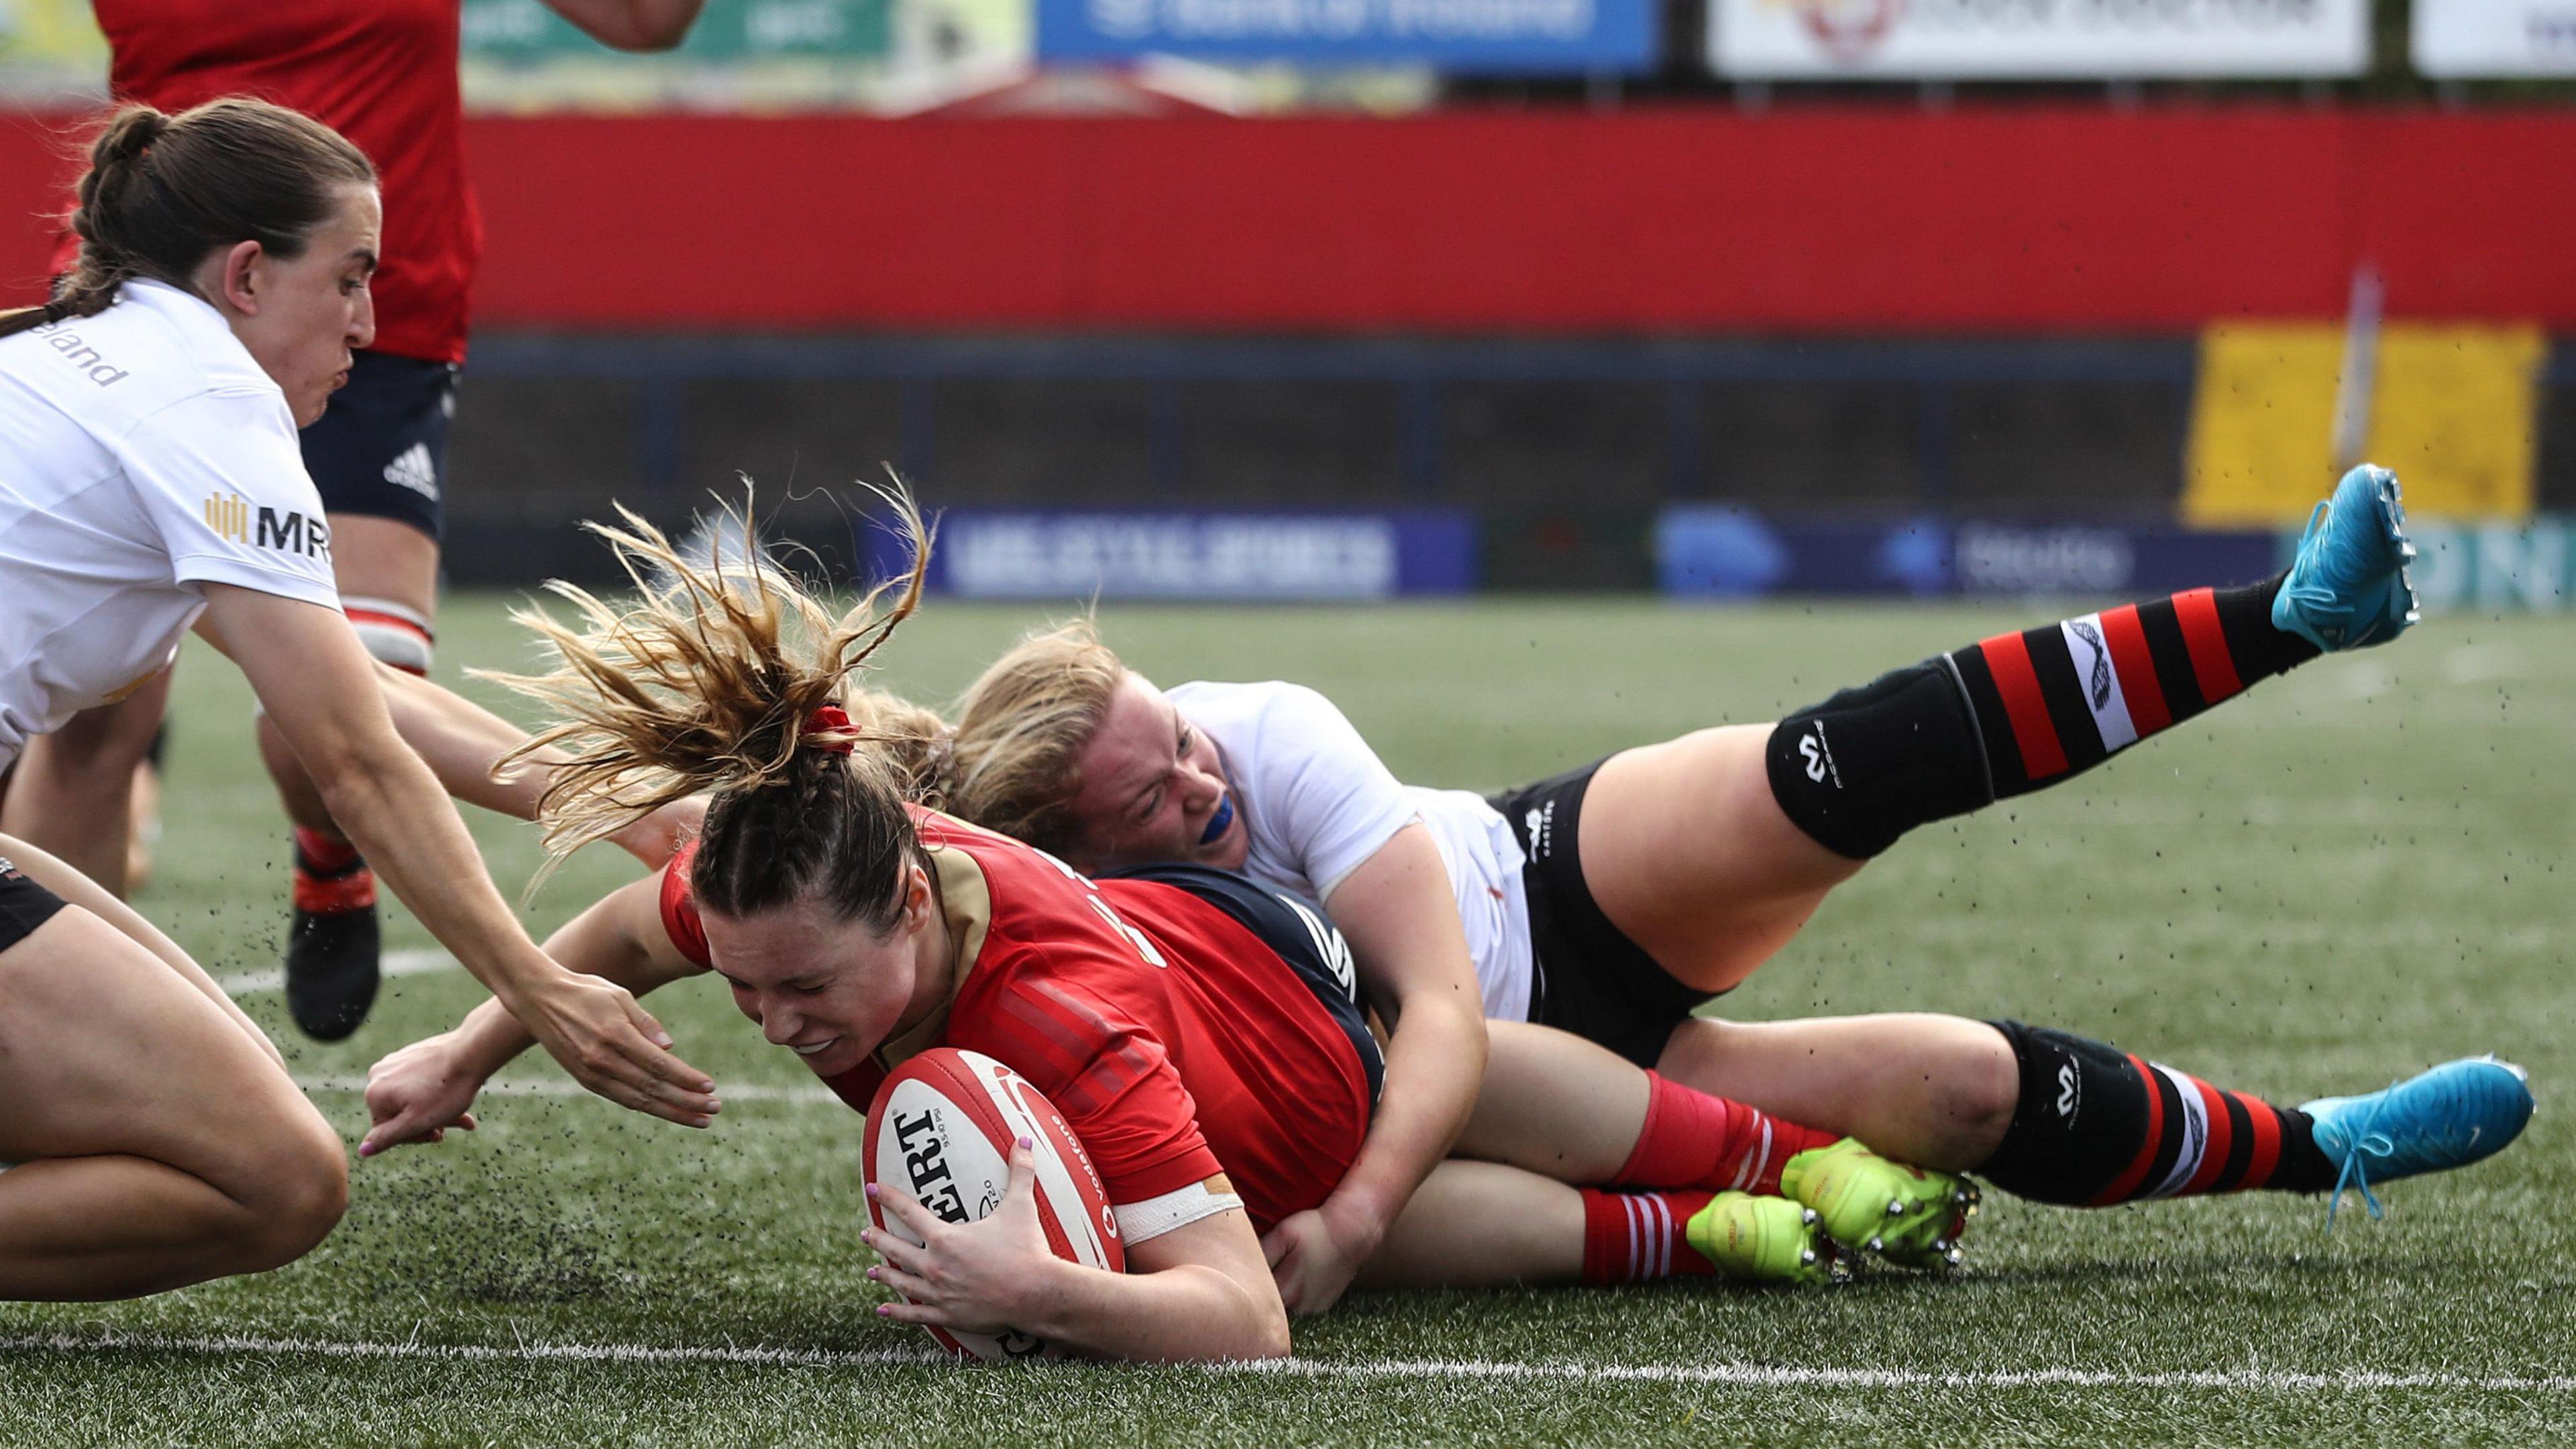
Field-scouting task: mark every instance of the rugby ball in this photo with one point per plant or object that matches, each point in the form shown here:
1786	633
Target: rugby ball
942	1126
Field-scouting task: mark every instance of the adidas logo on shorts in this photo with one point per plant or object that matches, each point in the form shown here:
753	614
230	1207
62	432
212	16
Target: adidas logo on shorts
412	469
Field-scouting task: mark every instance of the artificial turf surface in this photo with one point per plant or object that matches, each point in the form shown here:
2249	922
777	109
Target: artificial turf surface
2346	876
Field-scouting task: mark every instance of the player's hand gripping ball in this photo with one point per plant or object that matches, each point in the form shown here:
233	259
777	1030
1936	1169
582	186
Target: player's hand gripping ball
941	1128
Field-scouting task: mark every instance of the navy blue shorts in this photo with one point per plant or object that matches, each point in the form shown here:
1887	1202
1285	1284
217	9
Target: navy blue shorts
380	448
1301	937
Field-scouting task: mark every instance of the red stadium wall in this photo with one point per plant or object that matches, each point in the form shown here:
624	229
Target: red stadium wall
2040	219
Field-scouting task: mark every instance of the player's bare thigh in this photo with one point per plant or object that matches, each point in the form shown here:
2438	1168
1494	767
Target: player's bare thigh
104	1049
1689	855
385	558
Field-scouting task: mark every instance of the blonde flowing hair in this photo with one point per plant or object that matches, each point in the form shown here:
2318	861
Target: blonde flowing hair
1021	728
707	678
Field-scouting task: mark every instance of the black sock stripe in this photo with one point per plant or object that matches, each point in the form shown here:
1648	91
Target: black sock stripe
1976	718
2240	1144
2172	655
2169	1148
2063	691
1986	704
2304	1167
2259	650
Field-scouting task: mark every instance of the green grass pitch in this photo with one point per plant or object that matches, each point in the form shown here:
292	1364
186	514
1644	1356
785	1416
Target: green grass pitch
2351	874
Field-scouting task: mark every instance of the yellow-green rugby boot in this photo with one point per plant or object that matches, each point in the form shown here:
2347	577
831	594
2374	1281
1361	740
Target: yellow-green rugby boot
1907	1215
1762	1239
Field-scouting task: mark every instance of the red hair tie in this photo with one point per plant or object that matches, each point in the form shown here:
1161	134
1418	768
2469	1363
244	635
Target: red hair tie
829	717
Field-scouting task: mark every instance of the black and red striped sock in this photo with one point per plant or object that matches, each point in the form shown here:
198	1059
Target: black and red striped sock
2017	713
1692	1139
2096	1126
330	876
2050	703
1637	1237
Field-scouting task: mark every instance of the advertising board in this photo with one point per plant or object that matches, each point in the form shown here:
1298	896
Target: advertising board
2481	39
2036	39
1535	36
1250	557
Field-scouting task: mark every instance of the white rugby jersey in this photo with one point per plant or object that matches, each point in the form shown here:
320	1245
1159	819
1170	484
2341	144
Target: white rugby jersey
143	453
1317	803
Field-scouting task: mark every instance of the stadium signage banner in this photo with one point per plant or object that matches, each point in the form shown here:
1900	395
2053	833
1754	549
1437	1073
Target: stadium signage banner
1268	557
1731	553
2494	567
2465	39
2036	39
1566	36
1703	552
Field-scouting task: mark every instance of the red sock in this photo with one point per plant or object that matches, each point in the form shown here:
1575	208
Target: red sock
1636	1237
329	875
1692	1139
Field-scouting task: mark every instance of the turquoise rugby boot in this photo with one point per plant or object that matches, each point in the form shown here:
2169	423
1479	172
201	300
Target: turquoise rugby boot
2451	1116
2348	587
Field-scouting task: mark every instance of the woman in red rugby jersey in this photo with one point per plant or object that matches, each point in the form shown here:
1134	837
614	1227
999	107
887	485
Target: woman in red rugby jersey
384	74
1203	1035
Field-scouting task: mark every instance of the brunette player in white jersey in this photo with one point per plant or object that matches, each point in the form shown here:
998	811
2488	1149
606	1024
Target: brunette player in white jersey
149	483
383	73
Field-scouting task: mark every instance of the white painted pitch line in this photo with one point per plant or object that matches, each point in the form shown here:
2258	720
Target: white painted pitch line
2245	1380
558	1087
414	962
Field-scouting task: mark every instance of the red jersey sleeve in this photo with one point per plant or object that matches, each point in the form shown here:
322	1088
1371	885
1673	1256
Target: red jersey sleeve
1115	1084
680	912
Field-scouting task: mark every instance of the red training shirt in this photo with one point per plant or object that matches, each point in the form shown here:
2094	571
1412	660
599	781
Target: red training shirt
380	72
1181	1051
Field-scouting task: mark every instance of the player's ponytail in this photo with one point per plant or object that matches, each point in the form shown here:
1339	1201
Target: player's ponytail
710	679
162	192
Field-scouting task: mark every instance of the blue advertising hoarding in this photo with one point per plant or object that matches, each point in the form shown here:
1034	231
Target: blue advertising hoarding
1248	557
1704	552
1530	36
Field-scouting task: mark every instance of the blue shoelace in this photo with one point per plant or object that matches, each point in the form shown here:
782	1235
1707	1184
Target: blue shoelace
2367	1142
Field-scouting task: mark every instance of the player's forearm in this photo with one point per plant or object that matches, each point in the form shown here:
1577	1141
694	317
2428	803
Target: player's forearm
1190	1313
460	740
599	942
395	812
487	1039
1435	1062
631	24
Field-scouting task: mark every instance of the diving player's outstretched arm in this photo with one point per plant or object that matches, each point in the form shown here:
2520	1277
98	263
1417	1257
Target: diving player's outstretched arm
419	1091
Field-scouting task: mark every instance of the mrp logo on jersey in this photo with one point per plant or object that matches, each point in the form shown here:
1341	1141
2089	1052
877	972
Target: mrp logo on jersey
231	516
83	357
